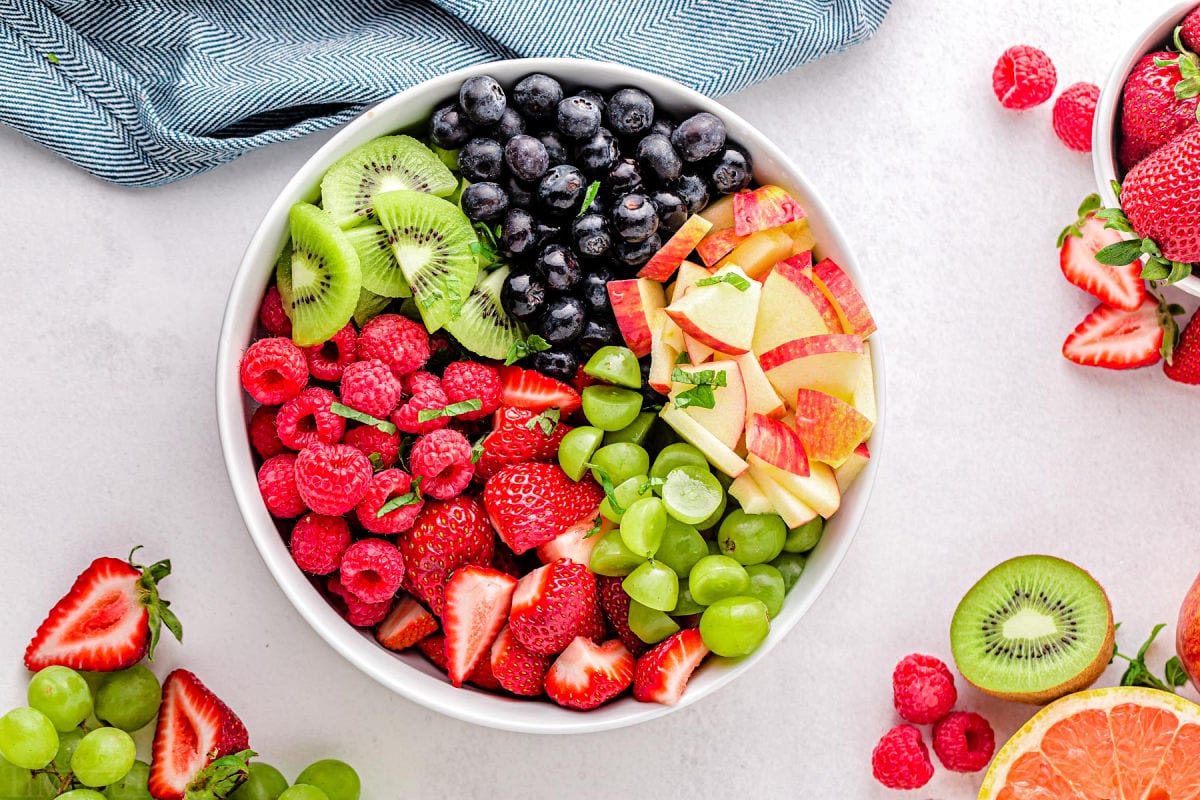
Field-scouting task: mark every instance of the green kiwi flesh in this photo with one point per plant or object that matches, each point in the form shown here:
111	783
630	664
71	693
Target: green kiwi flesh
387	164
381	274
320	283
483	327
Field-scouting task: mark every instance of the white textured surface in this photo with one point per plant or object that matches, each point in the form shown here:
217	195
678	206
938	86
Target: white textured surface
996	445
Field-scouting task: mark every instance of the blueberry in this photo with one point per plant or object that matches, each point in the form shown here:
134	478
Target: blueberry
594	95
561	190
594	290
731	171
658	157
483	99
517	234
563	320
699	136
554	148
629	112
537	96
558	363
484	201
597	333
597	154
693	190
624	177
590	235
672	211
520	194
634	218
523	294
634	254
526	157
578	117
559	266
481	160
449	127
510	125
664	126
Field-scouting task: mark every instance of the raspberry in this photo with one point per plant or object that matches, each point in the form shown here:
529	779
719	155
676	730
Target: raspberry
963	741
396	341
372	570
273	370
271	313
332	478
1190	33
356	612
306	419
1073	113
277	484
372	441
443	460
922	689
427	394
467	380
370	387
1023	77
328	360
385	486
318	543
262	432
901	760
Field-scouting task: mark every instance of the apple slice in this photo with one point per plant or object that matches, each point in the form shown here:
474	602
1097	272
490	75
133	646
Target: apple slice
795	512
689	273
759	252
843	294
847	472
830	363
698	436
720	314
803	240
819	490
717	244
747	492
720	213
727	418
668	258
666	343
698	353
633	304
761	397
762	208
776	444
829	427
791	307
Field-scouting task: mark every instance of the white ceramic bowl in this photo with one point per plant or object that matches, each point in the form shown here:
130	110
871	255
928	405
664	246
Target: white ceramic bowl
1154	36
408	673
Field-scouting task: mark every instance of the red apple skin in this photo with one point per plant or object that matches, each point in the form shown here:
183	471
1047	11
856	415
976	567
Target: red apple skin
762	208
717	245
800	264
810	346
699	335
629	308
776	444
1187	633
844	295
664	263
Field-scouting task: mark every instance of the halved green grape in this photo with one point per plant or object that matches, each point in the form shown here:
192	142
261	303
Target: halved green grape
635	432
104	756
735	626
62	695
654	585
620	461
336	779
686	605
613	364
81	794
263	783
129	699
16	783
766	583
681	546
752	538
717	577
627	493
576	449
649	624
691	494
610	408
303	791
133	785
643	525
717	515
790	566
27	738
675	455
611	557
805	537
67	742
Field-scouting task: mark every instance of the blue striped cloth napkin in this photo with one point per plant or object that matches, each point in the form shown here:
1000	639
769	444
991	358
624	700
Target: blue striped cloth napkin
144	93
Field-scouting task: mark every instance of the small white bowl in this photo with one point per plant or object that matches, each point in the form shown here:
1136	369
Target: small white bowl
408	673
1156	35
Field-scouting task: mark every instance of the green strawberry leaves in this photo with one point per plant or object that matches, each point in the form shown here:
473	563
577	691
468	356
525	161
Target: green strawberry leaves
1090	205
1157	268
1189	71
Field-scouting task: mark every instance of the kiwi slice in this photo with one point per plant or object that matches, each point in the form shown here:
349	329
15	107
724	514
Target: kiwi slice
370	306
389	163
433	243
1033	629
380	272
320	283
483	327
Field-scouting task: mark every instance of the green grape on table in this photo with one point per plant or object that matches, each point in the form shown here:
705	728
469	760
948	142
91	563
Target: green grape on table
134	785
336	778
643	525
649	624
790	566
635	432
303	791
67	742
62	695
576	449
752	538
654	585
263	783
686	605
680	454
692	494
804	537
129	699
735	626
612	558
717	515
613	364
610	408
81	794
104	756
28	738
681	547
766	583
717	577
626	493
620	462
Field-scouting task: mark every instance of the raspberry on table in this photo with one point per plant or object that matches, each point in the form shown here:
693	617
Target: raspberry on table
318	542
327	361
427	395
273	370
901	760
277	484
384	487
271	313
332	478
443	460
396	341
372	570
1073	113
922	689
263	435
467	380
1023	77
370	387
372	441
355	611
307	418
963	741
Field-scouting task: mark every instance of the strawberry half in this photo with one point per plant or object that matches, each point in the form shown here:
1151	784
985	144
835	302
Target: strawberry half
477	603
195	734
1120	287
109	620
1161	197
527	388
615	602
662	673
519	435
1115	339
588	675
445	536
1184	366
530	504
517	668
406	624
553	605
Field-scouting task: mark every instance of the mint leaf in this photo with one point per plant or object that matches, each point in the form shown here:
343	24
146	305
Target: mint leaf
683	358
376	461
1138	674
699	396
1176	674
525	347
732	278
452	410
411	497
1120	253
650	484
606	483
592	190
358	416
703	377
594	529
477	449
547	421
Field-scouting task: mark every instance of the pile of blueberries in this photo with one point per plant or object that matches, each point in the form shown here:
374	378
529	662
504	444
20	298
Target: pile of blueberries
534	160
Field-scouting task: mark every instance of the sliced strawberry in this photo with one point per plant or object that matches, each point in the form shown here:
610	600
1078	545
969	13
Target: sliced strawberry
1120	287
615	602
519	435
408	623
477	603
526	388
434	648
195	729
588	675
482	676
446	535
530	504
1115	339
110	619
516	667
1185	364
553	605
575	543
662	673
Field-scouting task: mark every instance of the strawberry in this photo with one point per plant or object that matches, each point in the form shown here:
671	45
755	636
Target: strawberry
1189	31
575	543
1151	114
446	535
662	674
109	620
519	435
530	504
553	605
477	603
526	388
588	675
407	624
195	734
1115	339
1118	286
515	667
1161	197
615	602
434	648
1184	365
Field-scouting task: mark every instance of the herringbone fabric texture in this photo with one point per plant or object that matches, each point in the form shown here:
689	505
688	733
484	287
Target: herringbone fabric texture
144	93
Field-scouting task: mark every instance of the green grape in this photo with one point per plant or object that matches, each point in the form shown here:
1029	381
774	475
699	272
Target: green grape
62	695
16	783
93	680
302	791
81	794
610	408
129	699
336	778
686	605
28	738
716	516
716	577
611	557
264	783
790	565
714	549
649	624
627	493
735	626
44	787
680	454
692	494
576	449
805	537
620	461
643	525
766	583
635	432
67	742
613	364
104	756
752	538
654	585
681	547
133	785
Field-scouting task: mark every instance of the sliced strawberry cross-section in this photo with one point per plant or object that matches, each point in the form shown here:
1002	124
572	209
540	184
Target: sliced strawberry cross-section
662	673
477	603
195	730
1115	339
1121	287
526	388
588	675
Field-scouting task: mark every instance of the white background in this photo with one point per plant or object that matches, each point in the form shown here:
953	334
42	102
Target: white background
996	446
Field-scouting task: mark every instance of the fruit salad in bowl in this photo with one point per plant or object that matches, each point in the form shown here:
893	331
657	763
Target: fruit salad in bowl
550	395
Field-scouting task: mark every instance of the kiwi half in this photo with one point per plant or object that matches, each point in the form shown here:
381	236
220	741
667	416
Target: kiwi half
483	327
320	283
381	274
387	164
1033	629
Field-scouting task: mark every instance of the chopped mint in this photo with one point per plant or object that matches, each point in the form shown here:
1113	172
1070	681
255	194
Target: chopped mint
592	190
53	59
606	482
547	421
452	410
358	416
376	461
650	484
594	529
699	396
703	377
407	499
732	278
683	358
525	347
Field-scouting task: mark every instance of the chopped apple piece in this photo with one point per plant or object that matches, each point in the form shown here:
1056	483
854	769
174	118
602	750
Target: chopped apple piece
747	492
830	363
762	208
668	258
663	351
829	427
843	294
759	252
727	418
776	444
803	240
863	391
720	314
717	244
791	307
698	352
720	213
761	397
795	512
689	273
846	473
819	490
698	436
633	304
